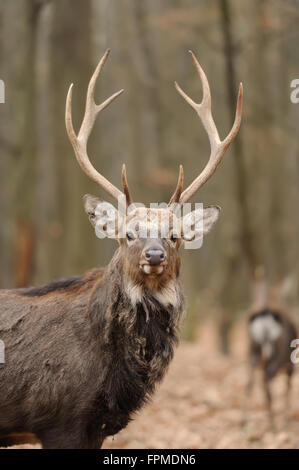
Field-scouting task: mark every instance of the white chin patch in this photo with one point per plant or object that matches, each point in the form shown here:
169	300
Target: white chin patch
147	269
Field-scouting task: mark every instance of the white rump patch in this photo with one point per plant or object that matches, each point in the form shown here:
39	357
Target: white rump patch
265	329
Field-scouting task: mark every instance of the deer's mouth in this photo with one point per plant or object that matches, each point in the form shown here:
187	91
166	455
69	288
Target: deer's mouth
152	270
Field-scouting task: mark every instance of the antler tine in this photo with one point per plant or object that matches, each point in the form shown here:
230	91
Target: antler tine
125	185
218	147
179	188
79	142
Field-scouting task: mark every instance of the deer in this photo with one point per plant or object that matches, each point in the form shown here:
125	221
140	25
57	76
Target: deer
84	354
271	334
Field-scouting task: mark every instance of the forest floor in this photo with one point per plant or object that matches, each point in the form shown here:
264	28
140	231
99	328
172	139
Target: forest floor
200	404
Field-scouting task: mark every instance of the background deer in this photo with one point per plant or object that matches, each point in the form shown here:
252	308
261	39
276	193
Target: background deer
270	335
83	354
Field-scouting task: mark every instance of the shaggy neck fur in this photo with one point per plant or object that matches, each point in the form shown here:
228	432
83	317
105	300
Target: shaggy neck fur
138	330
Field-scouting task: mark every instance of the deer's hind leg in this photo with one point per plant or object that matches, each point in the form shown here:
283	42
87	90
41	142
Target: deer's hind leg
271	368
289	374
268	397
254	359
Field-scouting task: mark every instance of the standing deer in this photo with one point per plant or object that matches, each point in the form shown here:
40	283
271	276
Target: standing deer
83	354
270	333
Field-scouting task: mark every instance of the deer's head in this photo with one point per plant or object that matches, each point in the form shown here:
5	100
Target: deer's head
150	238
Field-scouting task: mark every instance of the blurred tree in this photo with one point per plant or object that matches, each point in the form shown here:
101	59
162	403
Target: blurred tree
242	192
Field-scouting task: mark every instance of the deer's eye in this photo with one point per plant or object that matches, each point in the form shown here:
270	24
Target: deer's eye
130	236
174	237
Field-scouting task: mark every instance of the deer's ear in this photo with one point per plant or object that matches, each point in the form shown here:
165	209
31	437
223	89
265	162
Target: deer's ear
103	216
210	216
90	203
199	222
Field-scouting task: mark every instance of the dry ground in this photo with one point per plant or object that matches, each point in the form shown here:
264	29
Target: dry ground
200	404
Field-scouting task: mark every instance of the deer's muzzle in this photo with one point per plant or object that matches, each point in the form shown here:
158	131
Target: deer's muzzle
153	258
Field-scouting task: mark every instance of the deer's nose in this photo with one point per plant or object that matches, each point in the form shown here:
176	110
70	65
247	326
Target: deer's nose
154	257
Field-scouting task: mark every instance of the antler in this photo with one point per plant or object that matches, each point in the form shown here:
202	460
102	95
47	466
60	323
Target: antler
218	147
179	188
79	142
